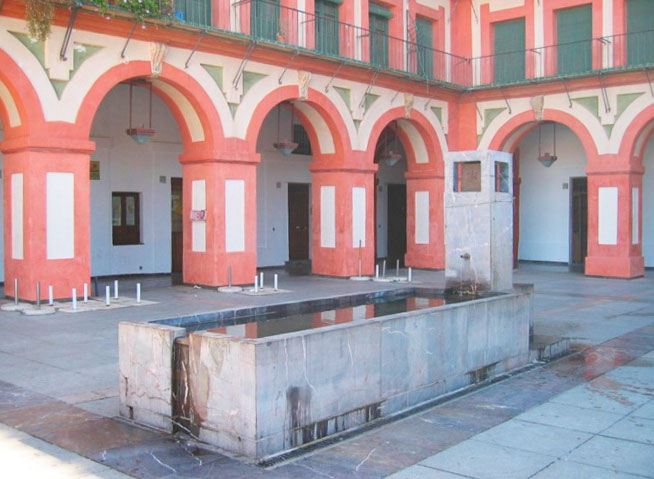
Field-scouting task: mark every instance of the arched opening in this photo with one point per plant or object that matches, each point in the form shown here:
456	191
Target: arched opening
551	207
284	189
136	189
390	198
408	190
140	221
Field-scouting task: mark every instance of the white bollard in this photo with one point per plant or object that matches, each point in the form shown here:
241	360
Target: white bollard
256	284
115	289
86	293
138	292
50	295
16	291
409	275
107	296
74	299
275	282
376	271
261	280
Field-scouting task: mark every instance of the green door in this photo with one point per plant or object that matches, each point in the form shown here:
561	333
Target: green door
509	51
264	20
574	30
640	32
378	18
327	27
424	47
194	12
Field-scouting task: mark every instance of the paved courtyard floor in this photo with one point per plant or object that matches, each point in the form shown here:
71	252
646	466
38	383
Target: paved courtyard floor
589	414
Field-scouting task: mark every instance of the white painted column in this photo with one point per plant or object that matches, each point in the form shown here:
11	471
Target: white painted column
17	207
607	221
358	217
422	217
328	216
60	215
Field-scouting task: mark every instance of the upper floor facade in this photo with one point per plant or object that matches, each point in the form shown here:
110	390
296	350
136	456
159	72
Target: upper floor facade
456	44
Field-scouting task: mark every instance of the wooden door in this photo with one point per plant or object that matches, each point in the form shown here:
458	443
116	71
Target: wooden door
396	220
298	222
176	241
579	222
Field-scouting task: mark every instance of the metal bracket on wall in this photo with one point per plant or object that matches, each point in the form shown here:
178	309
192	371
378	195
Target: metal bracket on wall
481	117
281	76
69	31
241	67
329	83
605	94
369	89
129	38
567	92
649	80
506	100
195	47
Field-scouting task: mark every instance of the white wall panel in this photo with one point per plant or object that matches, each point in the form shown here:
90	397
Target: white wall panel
60	215
328	216
234	215
422	217
635	215
17	216
358	217
607	227
647	213
199	228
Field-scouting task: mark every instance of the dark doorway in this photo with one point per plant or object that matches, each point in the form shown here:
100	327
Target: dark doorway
298	222
578	223
396	242
176	241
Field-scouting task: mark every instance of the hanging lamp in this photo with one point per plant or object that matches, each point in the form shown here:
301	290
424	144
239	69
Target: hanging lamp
547	158
285	147
140	134
390	156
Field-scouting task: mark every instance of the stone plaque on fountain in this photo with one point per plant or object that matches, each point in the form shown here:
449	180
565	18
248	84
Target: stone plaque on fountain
478	221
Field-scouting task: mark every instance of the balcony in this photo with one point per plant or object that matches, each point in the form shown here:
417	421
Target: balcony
268	22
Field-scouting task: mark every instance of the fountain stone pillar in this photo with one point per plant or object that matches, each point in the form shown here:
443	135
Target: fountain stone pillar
478	202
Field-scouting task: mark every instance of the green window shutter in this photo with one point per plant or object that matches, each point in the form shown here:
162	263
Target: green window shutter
378	38
574	30
264	19
509	51
194	12
640	32
327	27
424	47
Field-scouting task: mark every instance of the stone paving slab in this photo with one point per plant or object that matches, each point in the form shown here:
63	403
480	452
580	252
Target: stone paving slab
616	455
476	459
573	470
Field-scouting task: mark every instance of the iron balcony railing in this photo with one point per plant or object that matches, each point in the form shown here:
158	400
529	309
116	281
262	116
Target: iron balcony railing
268	22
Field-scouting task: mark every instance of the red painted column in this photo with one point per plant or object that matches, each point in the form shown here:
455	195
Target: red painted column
427	253
616	255
219	207
337	195
39	177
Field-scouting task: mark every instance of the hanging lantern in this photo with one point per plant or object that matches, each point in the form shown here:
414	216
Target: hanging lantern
547	158
285	147
390	155
140	134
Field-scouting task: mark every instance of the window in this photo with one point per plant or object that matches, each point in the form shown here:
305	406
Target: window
509	55
501	177
378	20
467	176
640	32
126	218
574	33
195	12
302	139
264	20
327	26
424	47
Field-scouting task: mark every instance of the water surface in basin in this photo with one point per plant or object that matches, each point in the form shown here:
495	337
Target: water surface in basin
279	322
